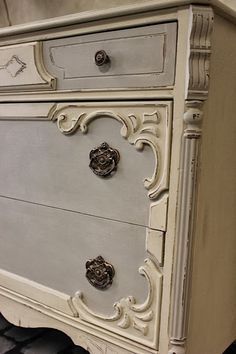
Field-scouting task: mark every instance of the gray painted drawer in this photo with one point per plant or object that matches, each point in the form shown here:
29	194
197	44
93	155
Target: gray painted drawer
51	247
46	245
139	57
56	214
41	165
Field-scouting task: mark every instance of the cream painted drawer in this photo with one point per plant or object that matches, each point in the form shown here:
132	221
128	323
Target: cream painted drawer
137	57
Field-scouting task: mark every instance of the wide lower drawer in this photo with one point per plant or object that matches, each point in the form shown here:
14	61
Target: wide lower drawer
46	165
60	250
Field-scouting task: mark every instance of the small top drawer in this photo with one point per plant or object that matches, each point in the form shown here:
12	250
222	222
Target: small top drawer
141	57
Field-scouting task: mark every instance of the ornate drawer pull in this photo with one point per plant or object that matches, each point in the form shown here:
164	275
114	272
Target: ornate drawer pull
101	58
104	160
99	273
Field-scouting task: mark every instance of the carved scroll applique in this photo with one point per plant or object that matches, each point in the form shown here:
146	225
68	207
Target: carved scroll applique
200	52
127	312
137	129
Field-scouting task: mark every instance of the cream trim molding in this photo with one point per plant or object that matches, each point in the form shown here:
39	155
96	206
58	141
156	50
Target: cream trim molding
184	234
197	92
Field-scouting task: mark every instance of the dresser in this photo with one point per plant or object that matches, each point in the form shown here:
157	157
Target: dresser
117	188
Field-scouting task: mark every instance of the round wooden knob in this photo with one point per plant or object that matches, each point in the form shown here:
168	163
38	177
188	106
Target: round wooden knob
101	58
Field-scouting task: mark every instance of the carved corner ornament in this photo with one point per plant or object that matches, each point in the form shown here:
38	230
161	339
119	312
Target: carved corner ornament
138	129
142	319
200	52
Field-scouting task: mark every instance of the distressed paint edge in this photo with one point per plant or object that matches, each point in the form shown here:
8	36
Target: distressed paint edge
185	230
199	52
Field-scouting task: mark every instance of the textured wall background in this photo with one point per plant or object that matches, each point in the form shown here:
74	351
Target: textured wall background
13	12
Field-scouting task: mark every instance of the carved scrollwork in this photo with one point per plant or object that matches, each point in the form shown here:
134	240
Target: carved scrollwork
200	52
127	312
138	130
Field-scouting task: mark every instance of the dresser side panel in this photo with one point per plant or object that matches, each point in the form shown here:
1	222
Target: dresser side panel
212	325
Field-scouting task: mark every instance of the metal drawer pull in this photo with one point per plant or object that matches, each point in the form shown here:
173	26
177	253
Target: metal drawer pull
104	160
101	58
99	273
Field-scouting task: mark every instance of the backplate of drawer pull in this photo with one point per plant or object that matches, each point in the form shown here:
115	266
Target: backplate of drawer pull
104	160
99	273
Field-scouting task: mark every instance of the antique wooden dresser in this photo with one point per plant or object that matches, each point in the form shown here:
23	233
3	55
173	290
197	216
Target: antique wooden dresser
117	220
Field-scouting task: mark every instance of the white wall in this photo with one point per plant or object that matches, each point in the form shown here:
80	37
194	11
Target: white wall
14	12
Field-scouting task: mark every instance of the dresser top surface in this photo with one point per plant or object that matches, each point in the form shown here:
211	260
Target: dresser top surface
226	8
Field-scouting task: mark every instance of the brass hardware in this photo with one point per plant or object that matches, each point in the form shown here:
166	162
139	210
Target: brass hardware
101	58
104	160
99	273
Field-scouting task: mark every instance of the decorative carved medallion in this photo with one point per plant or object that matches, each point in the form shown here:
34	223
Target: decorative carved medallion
14	66
104	160
99	273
